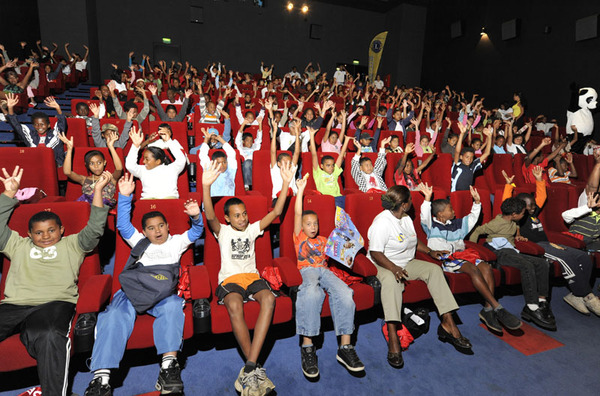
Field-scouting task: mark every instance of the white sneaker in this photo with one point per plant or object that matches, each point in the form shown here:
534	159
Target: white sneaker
592	303
264	383
577	303
247	383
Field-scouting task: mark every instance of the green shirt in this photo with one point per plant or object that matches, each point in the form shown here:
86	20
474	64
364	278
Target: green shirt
328	184
40	275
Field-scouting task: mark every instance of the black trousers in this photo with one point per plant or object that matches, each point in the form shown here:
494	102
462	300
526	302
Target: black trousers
576	265
44	330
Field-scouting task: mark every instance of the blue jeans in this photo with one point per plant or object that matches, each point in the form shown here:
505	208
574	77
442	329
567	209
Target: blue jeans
115	325
247	172
340	201
309	302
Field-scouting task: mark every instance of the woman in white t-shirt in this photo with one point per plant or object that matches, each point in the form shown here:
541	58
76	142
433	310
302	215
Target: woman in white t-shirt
392	246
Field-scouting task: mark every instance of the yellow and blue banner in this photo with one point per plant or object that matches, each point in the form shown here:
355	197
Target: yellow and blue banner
375	50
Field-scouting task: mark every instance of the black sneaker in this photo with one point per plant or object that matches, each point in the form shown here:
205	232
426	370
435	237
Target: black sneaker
346	355
169	379
310	365
507	319
538	318
545	307
489	319
95	388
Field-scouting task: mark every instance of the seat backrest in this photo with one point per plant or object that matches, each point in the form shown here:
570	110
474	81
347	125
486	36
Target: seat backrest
78	166
39	167
178	224
261	172
74	217
557	202
76	128
257	208
439	172
362	209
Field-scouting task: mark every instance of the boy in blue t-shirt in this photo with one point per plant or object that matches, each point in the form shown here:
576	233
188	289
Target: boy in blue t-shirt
465	164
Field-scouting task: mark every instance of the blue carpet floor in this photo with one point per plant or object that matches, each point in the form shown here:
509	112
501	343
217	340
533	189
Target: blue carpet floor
431	368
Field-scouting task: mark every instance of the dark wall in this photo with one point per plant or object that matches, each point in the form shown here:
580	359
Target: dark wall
540	65
19	22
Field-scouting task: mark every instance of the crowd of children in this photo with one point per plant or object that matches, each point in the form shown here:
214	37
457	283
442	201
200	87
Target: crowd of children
408	131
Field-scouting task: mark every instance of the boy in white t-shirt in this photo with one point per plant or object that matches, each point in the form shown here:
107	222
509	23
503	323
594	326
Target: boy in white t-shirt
239	279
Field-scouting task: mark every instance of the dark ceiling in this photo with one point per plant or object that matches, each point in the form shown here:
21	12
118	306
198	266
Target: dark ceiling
372	5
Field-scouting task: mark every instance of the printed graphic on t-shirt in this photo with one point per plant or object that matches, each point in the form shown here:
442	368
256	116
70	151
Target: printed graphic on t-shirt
328	179
48	253
401	237
240	249
308	252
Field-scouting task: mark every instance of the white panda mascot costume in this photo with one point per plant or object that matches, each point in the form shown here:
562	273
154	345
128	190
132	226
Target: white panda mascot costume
581	121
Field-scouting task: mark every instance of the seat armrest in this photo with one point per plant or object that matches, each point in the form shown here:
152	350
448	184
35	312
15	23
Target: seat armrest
562	239
290	275
485	253
94	294
363	266
199	282
530	248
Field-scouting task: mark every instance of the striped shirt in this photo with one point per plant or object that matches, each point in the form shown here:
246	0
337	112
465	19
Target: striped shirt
450	235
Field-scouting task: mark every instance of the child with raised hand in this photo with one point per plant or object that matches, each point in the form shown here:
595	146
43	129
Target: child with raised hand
502	232
406	174
368	143
43	135
332	141
282	160
41	285
447	233
535	158
563	169
369	178
158	253
326	173
171	113
100	136
239	279
316	280
394	146
224	186
95	163
214	142
583	221
247	145
465	164
158	175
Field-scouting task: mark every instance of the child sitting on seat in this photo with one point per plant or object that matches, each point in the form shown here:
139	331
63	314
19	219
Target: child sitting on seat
159	253
465	164
332	141
158	175
502	232
44	135
560	172
368	143
535	158
316	280
247	145
326	175
394	146
406	174
41	285
447	233
95	163
239	280
170	114
100	135
369	178
584	221
224	186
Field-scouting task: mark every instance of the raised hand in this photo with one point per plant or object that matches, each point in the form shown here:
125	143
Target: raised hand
188	93
104	179
51	102
410	147
192	208
301	183
130	114
211	173
67	142
95	109
546	141
427	191
153	89
111	138
386	141
287	172
11	100
488	131
537	172
508	180
569	158
12	182
126	185
136	136
475	194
